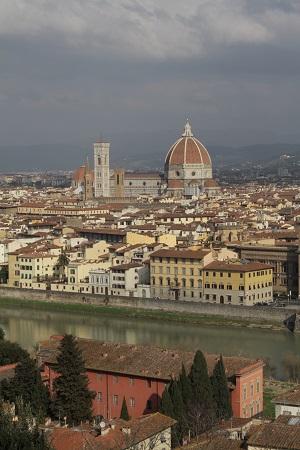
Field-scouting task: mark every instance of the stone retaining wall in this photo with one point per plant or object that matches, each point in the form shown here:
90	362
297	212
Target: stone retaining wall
190	307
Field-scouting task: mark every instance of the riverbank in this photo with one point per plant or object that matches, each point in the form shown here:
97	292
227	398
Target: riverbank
132	313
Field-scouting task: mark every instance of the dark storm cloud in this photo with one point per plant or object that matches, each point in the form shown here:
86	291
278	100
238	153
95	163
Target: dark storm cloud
72	69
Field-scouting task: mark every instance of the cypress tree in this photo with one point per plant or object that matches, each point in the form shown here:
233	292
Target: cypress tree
185	386
179	410
220	391
201	384
72	397
124	411
166	406
28	385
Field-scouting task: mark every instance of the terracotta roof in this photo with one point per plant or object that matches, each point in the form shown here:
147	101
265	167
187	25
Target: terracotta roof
220	443
176	253
7	371
291	397
283	434
81	438
188	150
80	173
144	361
247	267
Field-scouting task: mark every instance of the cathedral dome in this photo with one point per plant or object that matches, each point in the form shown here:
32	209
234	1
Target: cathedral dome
188	150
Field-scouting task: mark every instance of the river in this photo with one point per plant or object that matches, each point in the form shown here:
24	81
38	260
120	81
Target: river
28	327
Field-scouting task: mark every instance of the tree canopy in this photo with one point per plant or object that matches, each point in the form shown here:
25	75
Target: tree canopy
22	434
220	391
28	385
72	397
10	352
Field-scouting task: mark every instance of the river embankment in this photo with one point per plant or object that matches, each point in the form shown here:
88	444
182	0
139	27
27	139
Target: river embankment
149	309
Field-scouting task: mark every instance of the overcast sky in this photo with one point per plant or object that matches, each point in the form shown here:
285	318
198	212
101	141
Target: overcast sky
73	69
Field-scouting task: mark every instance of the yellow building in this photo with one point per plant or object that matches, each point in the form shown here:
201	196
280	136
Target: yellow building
27	268
177	274
237	284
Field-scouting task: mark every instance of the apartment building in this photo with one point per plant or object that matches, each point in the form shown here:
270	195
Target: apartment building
237	284
177	274
32	264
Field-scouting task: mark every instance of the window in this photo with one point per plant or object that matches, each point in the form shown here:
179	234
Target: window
229	298
132	402
99	396
131	381
214	297
115	379
199	272
183	271
257	386
229	275
115	399
251	390
149	383
241	275
163	438
241	288
192	272
192	283
221	286
207	285
214	274
183	282
193	174
177	173
229	287
221	274
241	299
206	296
244	393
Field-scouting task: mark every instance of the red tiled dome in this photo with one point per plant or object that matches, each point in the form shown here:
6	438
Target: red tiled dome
188	150
79	174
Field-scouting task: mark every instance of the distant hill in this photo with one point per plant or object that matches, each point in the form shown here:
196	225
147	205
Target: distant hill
132	151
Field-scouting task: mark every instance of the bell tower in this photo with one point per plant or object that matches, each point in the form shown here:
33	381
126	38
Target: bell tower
101	164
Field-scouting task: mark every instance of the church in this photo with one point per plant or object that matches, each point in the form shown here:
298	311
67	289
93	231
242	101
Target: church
187	173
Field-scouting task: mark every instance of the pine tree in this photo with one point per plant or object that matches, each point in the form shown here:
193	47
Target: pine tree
185	386
28	385
124	411
72	397
220	391
201	385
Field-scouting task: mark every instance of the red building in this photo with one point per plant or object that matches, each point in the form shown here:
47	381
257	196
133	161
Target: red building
140	374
